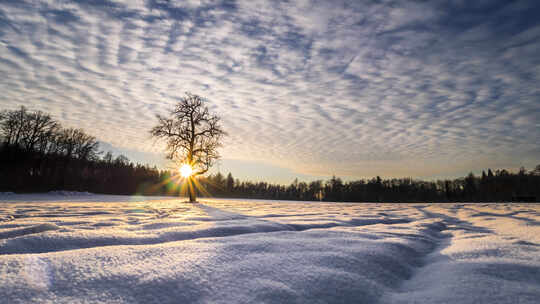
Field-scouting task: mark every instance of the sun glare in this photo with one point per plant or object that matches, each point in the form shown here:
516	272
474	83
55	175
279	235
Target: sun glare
186	170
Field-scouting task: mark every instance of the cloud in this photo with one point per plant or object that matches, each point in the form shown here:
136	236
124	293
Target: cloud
349	88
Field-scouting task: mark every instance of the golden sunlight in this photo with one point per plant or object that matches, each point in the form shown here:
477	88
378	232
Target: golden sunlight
186	170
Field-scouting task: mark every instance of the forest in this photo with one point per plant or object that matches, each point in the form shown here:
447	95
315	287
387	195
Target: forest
37	154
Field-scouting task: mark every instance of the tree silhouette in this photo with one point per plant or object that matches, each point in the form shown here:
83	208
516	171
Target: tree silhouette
230	182
193	136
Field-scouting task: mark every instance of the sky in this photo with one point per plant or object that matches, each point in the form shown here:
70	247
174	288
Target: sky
306	89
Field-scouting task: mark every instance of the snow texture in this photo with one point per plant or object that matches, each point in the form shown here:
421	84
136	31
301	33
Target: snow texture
65	248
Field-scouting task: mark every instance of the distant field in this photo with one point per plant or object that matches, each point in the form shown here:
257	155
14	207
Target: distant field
95	248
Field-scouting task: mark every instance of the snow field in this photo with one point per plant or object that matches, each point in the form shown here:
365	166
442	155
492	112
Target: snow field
115	249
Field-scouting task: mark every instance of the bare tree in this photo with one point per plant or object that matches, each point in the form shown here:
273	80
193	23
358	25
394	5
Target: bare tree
33	131
12	125
75	143
193	136
38	129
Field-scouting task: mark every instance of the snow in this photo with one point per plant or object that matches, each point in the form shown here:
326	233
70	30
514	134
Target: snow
68	247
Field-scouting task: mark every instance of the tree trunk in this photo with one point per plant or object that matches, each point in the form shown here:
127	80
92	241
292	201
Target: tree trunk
191	190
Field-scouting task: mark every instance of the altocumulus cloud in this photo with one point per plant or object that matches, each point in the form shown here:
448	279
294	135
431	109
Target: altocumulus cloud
354	88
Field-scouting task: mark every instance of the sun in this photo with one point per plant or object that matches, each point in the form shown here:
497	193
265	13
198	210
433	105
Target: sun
186	170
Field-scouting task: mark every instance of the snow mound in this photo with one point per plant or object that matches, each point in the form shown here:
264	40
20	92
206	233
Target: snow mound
11	233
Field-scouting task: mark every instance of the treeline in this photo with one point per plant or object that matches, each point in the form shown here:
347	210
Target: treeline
37	154
500	185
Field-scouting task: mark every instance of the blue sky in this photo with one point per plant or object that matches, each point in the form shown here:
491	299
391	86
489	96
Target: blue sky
305	89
